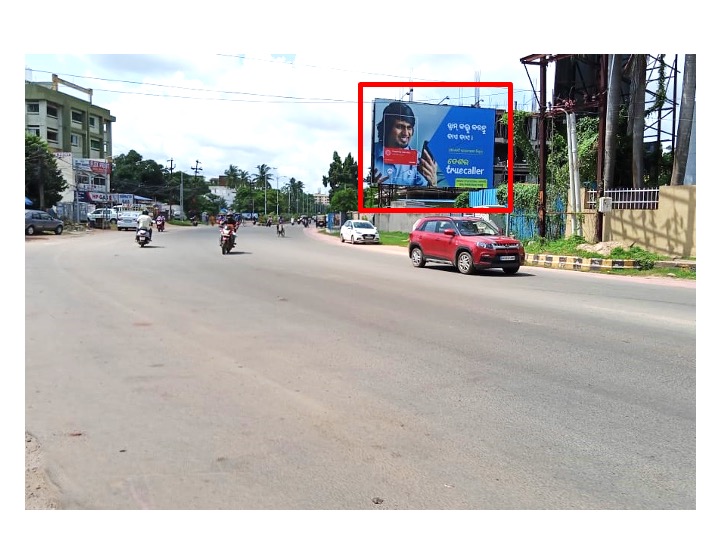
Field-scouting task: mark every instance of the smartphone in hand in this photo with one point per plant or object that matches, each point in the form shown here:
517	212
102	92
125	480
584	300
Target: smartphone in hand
426	148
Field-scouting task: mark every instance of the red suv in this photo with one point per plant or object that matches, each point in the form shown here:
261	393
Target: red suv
468	243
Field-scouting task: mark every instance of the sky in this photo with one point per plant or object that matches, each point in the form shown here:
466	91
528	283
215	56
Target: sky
288	111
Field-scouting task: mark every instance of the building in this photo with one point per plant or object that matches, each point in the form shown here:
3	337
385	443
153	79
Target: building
226	193
80	135
321	198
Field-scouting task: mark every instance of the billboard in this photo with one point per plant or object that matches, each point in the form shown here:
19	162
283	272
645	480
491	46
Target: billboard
450	149
425	145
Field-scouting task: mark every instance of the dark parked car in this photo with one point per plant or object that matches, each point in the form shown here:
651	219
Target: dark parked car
37	221
468	243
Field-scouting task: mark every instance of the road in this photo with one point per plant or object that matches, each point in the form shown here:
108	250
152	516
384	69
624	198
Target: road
297	373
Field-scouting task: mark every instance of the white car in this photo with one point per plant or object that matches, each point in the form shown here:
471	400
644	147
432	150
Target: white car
127	221
109	215
359	231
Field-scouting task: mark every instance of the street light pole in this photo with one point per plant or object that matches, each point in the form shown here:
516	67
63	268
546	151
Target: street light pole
252	196
266	183
196	169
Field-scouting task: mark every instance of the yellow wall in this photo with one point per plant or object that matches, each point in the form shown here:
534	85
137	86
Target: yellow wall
667	231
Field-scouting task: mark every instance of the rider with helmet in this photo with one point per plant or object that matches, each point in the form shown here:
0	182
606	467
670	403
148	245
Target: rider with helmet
230	222
144	221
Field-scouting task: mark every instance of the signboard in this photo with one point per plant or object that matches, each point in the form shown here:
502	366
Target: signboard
92	165
98	197
424	145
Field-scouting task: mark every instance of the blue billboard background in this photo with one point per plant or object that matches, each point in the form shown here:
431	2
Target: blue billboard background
461	140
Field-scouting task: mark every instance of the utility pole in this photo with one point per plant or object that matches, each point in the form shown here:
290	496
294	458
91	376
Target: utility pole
171	168
602	128
196	169
542	187
277	194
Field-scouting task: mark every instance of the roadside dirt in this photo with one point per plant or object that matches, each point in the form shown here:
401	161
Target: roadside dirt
330	239
40	493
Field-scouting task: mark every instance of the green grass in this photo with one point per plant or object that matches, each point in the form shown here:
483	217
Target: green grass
394	238
568	247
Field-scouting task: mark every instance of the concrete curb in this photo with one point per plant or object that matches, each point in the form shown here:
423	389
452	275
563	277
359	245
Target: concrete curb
579	263
598	265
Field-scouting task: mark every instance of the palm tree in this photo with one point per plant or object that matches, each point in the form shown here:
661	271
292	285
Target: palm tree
244	179
232	176
262	180
687	112
262	177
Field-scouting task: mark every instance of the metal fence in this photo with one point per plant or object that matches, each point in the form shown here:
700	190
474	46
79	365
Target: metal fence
626	199
484	197
524	226
73	212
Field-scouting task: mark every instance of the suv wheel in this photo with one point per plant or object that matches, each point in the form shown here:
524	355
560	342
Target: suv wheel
417	257
464	263
511	270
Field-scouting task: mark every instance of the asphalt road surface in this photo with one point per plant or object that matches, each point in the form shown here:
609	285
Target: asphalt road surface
300	373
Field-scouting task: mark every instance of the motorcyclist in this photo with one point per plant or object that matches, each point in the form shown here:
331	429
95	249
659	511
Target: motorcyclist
144	221
160	222
230	222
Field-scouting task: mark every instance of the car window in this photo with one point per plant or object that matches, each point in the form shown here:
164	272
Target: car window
475	227
444	225
428	226
363	225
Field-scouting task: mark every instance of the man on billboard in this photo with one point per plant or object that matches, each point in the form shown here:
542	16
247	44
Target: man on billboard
395	162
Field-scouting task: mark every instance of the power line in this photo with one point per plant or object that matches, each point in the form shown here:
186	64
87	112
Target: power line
233	92
288	99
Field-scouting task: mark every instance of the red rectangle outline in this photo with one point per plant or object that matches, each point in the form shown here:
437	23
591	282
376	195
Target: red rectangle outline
452	210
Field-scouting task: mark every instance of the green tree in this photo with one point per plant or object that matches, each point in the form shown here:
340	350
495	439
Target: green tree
244	179
344	200
341	175
43	181
233	175
370	197
263	177
463	200
132	174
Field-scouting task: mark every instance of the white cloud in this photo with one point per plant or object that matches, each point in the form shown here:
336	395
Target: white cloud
253	109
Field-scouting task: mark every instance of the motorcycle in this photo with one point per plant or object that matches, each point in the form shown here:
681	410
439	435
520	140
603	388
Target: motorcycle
142	237
194	221
160	223
227	240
